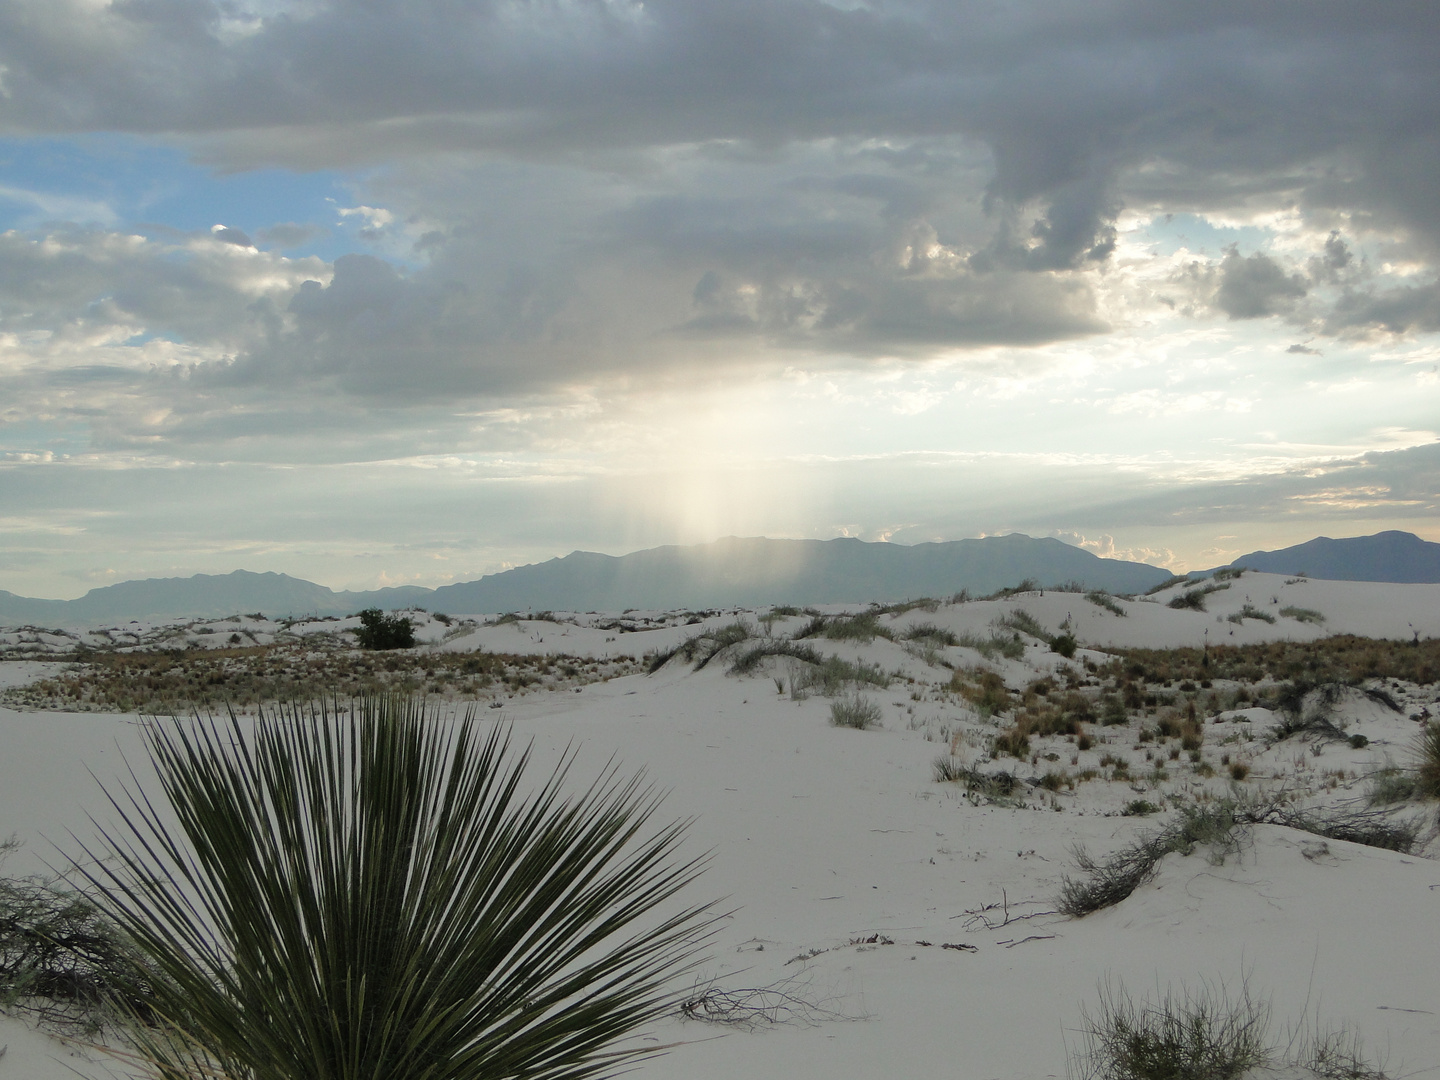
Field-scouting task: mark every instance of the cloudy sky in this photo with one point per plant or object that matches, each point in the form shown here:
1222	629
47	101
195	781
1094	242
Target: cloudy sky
389	291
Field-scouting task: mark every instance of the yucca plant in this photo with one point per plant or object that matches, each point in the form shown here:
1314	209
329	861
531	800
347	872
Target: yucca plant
376	894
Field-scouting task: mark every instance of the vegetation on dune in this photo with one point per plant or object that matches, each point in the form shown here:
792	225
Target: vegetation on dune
1206	1034
1341	658
176	681
1222	828
381	894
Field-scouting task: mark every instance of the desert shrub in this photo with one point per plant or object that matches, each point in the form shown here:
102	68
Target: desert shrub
1371	828
1064	644
1390	785
703	647
925	603
1140	808
748	660
1228	573
947	769
1194	599
382	894
931	634
1013	742
1107	883
1317	724
1222	827
1176	580
784	611
1103	599
1249	611
712	644
1027	585
1023	622
857	712
1340	658
1304	615
864	627
833	674
987	692
379	631
1112	710
814	628
1190	1036
995	787
1007	645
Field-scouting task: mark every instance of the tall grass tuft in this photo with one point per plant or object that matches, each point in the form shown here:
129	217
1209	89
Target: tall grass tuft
1193	1035
1427	764
381	894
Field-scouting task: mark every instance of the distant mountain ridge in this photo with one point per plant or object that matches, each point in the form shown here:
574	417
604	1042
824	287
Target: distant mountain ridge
728	572
1392	556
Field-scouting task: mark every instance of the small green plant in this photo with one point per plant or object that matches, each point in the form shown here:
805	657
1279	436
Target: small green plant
1301	614
1064	644
379	631
1250	611
857	712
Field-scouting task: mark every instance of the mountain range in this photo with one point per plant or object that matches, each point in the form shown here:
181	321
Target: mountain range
1386	556
728	572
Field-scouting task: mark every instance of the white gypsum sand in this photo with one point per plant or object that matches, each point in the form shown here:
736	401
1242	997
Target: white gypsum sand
901	925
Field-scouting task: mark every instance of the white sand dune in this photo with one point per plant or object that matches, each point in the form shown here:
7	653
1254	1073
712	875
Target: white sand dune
825	838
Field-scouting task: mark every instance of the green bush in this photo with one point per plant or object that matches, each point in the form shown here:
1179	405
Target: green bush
382	894
380	631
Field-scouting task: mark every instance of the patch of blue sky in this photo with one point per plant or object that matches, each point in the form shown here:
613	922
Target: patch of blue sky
117	181
1171	232
60	438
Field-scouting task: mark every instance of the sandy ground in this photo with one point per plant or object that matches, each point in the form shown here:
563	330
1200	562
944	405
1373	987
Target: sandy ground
824	838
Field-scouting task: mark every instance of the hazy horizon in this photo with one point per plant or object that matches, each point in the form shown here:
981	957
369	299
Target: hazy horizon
406	292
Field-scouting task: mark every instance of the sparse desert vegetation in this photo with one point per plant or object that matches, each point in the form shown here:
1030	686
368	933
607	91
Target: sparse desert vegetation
1059	775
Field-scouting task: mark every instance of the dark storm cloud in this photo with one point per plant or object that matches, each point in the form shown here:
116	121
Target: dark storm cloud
1068	95
1256	285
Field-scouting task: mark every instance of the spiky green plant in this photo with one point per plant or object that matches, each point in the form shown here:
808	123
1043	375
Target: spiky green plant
379	895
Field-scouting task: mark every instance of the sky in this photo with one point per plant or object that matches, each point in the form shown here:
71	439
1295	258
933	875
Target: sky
380	292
